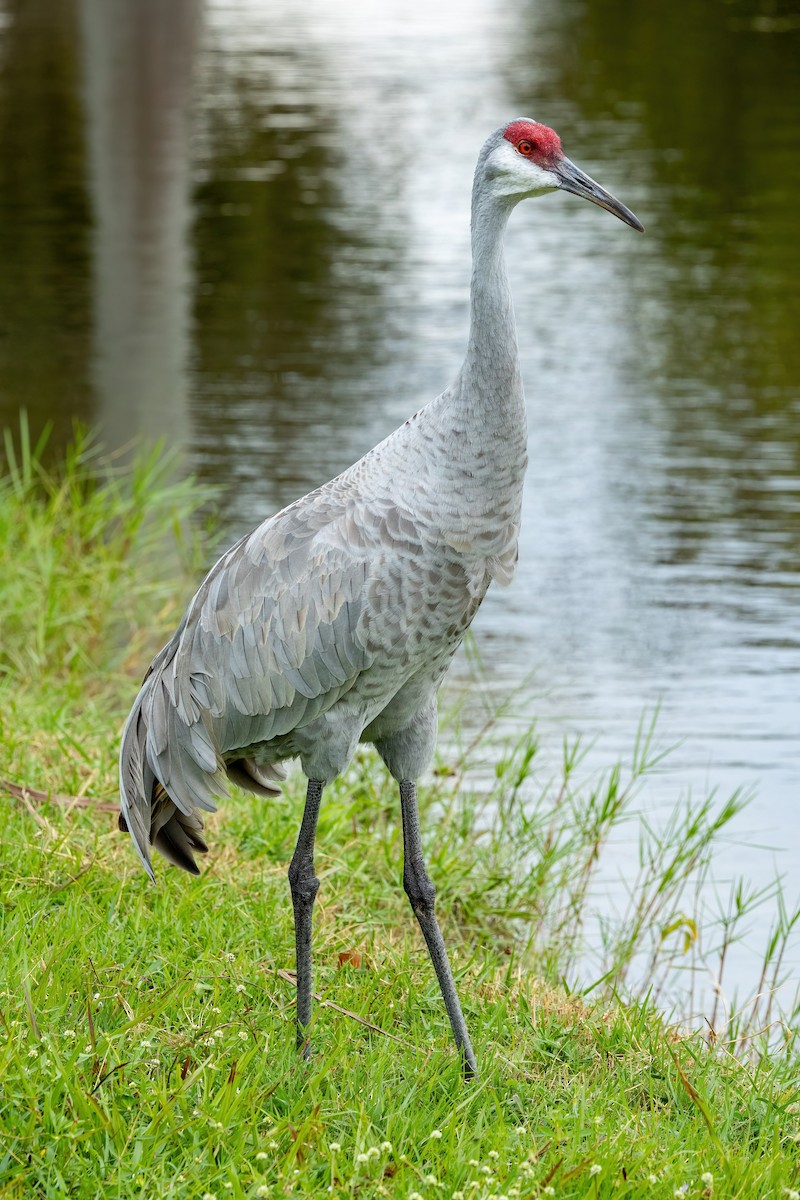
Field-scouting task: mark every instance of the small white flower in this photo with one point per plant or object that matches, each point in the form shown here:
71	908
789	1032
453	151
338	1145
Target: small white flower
681	1191
362	1158
33	1052
595	1169
211	1040
334	1147
263	1190
146	1043
240	987
473	1162
69	1033
707	1178
373	1152
243	1035
432	1180
386	1147
791	1194
87	1049
273	1145
494	1155
414	1196
486	1170
435	1133
458	1196
549	1190
652	1179
228	1186
209	1196
262	1156
230	957
97	995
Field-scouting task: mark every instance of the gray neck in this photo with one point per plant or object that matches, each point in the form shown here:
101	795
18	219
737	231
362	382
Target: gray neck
492	360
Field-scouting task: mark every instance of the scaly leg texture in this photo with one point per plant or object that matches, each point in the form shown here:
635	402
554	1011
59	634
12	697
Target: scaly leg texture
421	892
304	885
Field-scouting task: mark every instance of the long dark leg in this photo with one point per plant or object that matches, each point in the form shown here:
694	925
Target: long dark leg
421	893
304	885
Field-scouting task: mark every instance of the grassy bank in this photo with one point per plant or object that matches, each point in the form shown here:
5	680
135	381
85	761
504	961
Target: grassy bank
146	1046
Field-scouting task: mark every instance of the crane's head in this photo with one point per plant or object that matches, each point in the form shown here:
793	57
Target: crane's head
525	158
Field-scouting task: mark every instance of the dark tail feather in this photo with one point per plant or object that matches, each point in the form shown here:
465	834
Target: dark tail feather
176	843
148	811
176	834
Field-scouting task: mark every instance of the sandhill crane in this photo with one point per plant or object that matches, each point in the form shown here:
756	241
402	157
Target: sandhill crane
334	622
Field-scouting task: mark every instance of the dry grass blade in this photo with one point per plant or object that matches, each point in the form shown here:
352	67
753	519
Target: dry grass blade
119	1067
290	977
696	1099
59	887
31	1014
28	794
38	818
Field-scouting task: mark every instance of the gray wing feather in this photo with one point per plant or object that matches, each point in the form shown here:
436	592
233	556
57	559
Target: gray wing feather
273	637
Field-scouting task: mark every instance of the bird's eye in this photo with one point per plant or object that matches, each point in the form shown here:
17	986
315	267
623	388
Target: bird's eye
525	147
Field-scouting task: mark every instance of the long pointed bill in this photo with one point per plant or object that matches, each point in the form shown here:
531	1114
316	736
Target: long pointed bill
573	179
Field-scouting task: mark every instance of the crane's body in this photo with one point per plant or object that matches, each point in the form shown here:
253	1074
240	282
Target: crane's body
335	621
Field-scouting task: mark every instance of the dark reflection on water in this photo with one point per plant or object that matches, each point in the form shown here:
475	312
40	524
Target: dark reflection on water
138	67
246	225
282	349
45	217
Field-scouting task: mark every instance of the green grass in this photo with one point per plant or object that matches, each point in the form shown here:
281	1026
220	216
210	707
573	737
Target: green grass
146	1033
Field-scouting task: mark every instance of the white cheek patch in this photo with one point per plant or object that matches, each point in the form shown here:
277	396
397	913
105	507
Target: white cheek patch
512	175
